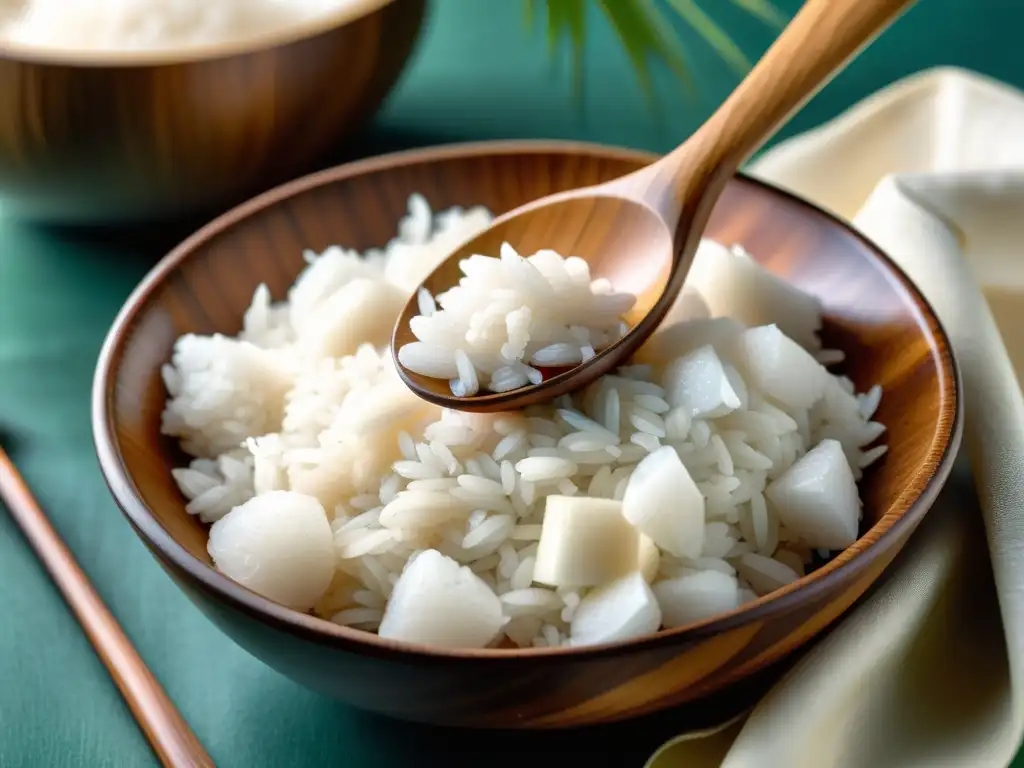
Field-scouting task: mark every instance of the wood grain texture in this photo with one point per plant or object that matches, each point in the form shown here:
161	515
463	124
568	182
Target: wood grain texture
872	312
641	231
99	140
172	740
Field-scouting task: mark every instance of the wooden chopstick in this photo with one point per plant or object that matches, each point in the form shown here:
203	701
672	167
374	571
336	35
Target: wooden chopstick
172	740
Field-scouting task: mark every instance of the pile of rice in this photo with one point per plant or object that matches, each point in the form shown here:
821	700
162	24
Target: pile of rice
719	466
509	317
118	25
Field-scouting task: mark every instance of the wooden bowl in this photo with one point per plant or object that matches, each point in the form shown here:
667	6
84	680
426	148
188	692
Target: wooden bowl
874	314
109	137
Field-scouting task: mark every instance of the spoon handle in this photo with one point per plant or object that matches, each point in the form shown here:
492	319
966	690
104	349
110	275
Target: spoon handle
822	37
168	733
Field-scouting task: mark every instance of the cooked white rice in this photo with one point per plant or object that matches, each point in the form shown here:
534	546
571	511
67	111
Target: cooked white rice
750	451
144	25
509	317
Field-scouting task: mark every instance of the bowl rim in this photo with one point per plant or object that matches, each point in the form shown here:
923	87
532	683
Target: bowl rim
904	513
318	24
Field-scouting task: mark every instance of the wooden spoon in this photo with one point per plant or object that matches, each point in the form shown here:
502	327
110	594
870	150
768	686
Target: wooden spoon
172	740
641	231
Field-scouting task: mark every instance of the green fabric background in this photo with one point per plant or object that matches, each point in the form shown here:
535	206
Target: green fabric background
477	75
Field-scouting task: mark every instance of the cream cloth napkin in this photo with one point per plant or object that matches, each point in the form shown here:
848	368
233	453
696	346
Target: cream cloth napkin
929	671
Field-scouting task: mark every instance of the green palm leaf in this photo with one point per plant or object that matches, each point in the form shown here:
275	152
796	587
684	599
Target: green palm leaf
713	34
763	10
646	33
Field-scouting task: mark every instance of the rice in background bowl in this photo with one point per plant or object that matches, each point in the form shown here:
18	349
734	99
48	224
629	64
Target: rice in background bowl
113	26
870	310
128	135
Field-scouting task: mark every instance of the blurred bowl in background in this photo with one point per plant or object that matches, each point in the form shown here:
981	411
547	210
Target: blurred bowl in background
109	137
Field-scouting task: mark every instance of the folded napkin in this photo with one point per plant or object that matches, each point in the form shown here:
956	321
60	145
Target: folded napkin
929	670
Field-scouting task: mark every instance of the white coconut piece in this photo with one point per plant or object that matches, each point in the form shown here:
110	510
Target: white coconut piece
671	341
361	311
817	498
696	596
663	502
697	382
781	368
278	544
438	602
649	558
734	284
584	542
621	610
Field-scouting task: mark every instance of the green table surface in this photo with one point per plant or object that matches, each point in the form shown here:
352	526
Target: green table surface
477	75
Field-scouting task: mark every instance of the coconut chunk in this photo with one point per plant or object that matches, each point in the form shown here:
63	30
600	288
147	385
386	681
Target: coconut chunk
817	498
621	610
278	544
671	341
663	502
584	542
734	284
781	368
696	596
438	602
697	382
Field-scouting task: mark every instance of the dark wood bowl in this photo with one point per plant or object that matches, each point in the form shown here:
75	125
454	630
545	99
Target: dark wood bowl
104	138
874	314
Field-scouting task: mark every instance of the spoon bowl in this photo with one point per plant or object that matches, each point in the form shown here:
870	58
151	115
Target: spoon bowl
641	231
607	229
